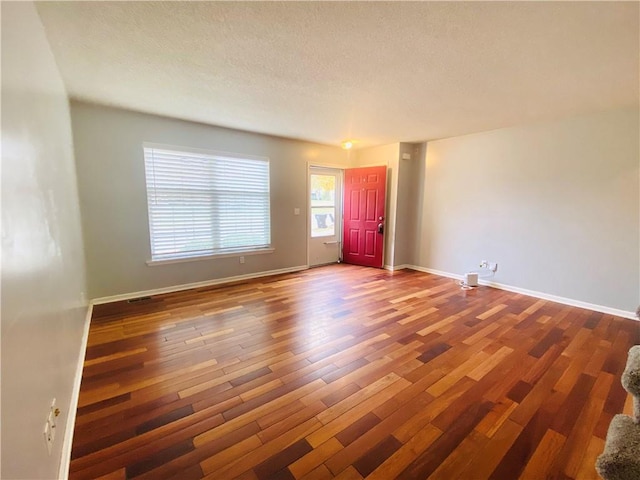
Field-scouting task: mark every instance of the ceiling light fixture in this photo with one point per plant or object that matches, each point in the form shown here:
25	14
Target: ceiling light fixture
347	144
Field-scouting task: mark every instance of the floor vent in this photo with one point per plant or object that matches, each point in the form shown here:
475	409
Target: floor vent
139	299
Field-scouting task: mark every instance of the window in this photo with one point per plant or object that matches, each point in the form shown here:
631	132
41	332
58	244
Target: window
205	203
323	205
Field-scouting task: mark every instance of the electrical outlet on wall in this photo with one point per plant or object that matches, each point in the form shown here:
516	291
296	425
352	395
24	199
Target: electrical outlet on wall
493	266
49	430
48	436
50	426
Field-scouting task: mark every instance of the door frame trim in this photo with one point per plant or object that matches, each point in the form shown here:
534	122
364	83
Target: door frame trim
386	204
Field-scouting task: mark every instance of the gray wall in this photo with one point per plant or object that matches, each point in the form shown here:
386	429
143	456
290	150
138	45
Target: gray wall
43	272
108	147
555	204
406	209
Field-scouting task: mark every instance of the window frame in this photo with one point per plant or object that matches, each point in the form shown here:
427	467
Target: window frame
231	252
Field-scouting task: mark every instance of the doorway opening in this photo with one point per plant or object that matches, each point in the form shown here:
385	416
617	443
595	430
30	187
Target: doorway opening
325	215
346	215
364	215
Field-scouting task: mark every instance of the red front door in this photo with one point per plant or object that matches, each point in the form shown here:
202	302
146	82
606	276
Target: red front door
364	197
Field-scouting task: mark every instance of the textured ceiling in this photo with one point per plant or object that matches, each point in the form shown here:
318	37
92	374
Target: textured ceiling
378	72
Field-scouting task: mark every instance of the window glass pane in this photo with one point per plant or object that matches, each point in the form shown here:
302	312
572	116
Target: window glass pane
323	190
323	221
323	212
203	203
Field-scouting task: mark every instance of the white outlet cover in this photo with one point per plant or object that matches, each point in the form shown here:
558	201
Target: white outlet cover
48	436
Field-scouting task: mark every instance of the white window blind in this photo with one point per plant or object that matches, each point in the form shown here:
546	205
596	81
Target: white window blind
204	204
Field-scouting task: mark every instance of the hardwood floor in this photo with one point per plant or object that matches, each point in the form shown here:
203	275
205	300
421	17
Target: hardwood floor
348	372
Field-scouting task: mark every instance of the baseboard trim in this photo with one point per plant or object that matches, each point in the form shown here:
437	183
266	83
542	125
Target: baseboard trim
188	286
67	442
393	268
532	293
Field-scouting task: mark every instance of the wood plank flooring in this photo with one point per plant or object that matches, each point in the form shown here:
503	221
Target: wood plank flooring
348	372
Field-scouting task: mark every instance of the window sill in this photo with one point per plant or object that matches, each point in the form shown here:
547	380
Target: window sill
237	253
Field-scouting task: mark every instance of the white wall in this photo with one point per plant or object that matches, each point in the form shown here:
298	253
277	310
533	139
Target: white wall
108	147
555	204
43	271
375	156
